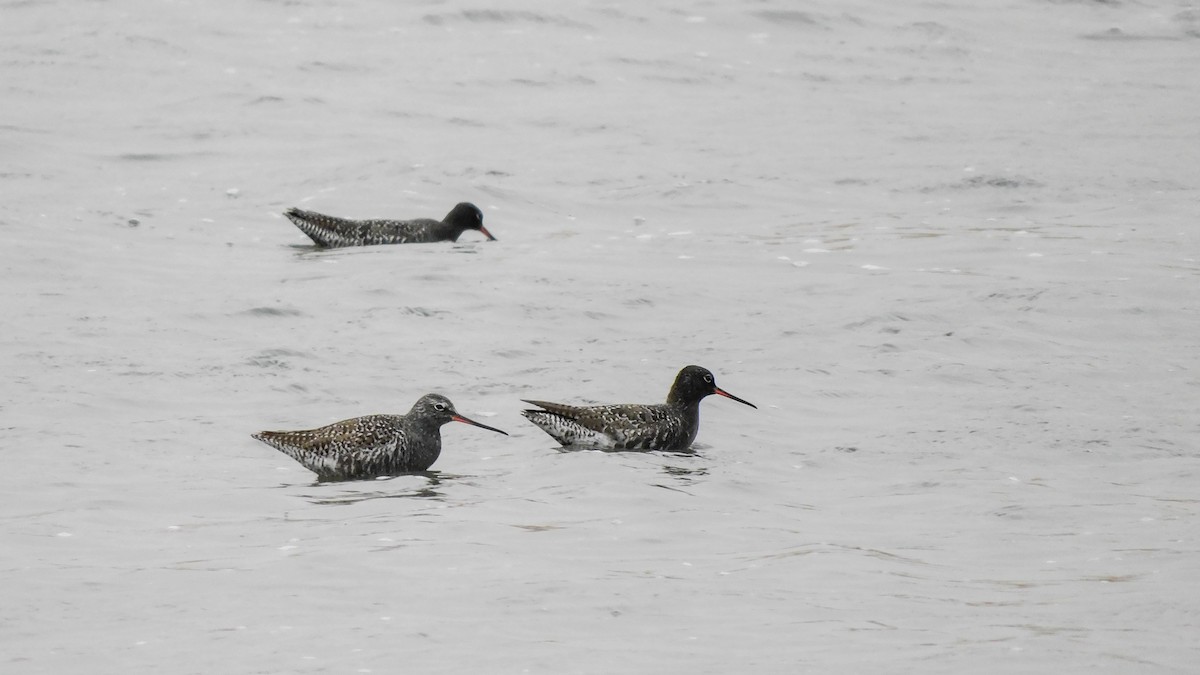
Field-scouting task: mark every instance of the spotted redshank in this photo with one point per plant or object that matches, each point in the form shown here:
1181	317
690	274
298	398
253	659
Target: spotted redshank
663	426
372	446
334	232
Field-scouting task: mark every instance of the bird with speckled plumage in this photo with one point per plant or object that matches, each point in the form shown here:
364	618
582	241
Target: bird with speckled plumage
333	232
668	426
372	446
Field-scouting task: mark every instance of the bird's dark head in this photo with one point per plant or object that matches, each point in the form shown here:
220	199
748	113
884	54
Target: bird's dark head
435	408
468	216
694	383
438	409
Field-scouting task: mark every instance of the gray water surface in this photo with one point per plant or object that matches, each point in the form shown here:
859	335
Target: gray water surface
949	249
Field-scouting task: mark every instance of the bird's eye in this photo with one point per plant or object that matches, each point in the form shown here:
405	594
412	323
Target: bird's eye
438	407
708	378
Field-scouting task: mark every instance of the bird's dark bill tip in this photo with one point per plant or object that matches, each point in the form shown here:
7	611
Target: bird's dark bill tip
486	233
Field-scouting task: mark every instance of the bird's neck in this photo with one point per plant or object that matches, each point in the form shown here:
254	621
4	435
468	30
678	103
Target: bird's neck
424	425
449	231
689	407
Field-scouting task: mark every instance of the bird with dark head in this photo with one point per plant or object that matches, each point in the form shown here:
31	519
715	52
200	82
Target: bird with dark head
660	426
333	232
374	445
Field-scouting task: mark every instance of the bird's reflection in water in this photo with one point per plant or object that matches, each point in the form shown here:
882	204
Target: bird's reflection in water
419	485
678	465
690	452
686	475
682	476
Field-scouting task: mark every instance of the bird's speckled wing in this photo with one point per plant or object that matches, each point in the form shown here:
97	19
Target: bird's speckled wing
419	231
351	447
616	427
334	232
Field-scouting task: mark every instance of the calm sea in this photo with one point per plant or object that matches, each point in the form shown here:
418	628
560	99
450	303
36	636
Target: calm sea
949	249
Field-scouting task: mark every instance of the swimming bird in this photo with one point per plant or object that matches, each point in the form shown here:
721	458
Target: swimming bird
372	446
663	426
334	232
